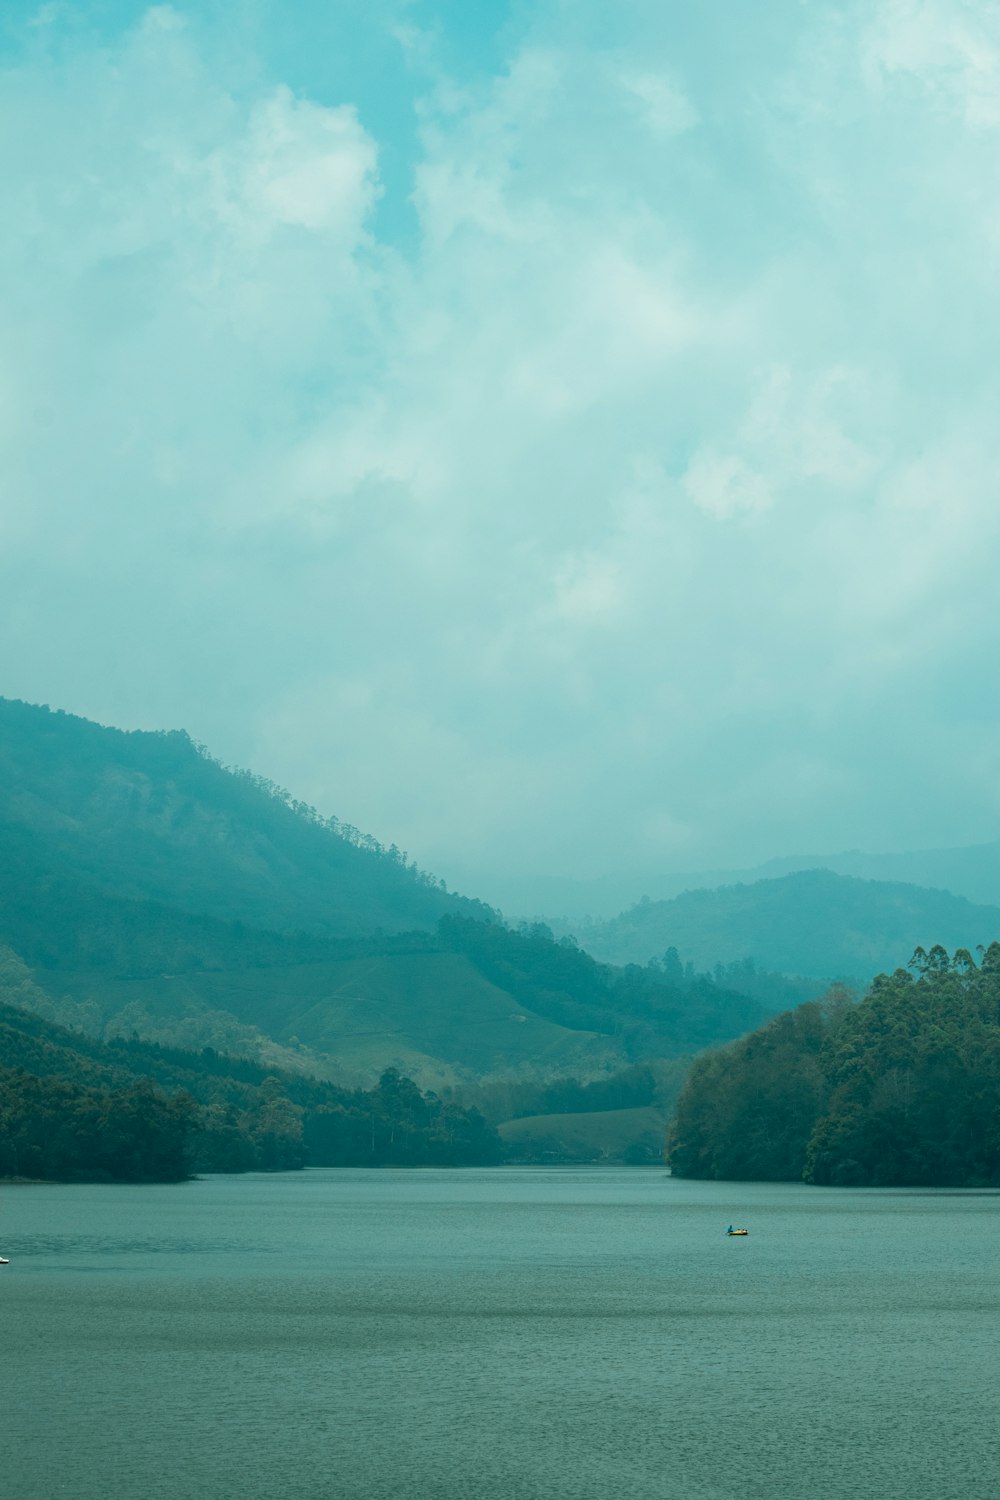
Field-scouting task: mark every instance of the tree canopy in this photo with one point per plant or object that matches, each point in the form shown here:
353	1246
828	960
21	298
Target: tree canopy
73	1108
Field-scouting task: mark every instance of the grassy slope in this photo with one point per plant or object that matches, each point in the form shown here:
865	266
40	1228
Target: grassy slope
813	922
96	1006
604	1135
430	1014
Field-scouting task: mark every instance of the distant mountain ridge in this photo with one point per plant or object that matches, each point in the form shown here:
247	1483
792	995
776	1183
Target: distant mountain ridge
811	922
147	891
972	871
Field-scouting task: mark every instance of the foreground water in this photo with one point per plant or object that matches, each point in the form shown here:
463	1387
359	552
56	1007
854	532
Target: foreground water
572	1334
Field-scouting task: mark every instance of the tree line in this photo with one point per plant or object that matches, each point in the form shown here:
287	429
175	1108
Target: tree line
73	1108
661	1007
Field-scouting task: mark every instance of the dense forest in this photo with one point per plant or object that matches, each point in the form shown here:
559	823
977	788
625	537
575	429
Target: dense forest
72	1108
902	1089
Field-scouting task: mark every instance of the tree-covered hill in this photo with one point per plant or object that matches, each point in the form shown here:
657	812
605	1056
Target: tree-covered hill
812	922
900	1090
152	817
468	1000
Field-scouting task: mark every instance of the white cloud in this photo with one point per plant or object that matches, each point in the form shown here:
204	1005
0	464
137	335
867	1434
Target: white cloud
587	589
302	165
951	46
723	486
654	478
665	109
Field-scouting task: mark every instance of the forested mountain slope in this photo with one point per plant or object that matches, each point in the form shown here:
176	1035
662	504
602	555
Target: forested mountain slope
145	889
470	1001
812	922
152	817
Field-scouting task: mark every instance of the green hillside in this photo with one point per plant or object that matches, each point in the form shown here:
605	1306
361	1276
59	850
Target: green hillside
146	890
631	1136
471	1001
468	1000
431	1014
154	818
812	922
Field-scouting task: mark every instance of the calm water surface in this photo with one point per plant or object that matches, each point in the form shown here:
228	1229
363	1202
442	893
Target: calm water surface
573	1334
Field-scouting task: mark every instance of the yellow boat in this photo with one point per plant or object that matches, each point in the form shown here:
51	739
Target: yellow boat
731	1231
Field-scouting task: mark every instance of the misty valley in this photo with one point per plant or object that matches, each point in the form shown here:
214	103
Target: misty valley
200	974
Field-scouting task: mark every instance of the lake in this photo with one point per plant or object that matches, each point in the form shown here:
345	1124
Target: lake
511	1334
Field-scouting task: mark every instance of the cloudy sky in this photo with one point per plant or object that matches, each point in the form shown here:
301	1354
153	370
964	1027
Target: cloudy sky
552	435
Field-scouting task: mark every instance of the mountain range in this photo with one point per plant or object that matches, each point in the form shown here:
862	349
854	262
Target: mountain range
972	871
811	922
149	892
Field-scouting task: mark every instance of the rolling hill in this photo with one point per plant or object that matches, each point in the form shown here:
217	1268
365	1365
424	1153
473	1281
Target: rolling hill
429	1014
972	871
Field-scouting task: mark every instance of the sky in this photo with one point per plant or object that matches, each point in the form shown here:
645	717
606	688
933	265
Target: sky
555	437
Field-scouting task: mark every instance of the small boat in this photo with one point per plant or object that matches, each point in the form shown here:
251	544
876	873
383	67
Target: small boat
732	1231
4	1261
